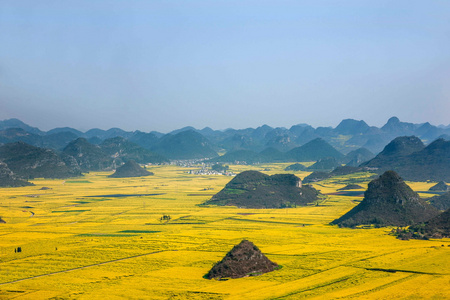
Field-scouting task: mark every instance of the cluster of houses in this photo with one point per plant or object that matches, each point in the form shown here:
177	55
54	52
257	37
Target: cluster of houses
204	171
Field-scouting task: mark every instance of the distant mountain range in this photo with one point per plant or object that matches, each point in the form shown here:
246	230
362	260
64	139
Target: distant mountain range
349	135
353	143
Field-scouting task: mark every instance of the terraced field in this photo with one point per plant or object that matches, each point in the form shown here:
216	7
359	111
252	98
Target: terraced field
97	237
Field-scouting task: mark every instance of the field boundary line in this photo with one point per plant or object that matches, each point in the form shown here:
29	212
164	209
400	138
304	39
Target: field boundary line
84	267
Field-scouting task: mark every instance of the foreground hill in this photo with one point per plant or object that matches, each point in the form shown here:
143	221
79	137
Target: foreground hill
245	259
185	145
413	161
388	201
9	179
33	162
253	189
436	228
130	169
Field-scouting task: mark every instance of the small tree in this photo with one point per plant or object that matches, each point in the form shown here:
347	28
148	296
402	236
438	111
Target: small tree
166	218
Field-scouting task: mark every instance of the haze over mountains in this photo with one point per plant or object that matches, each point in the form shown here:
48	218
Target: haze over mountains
415	151
349	135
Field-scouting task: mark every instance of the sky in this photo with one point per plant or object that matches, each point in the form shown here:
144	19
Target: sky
163	65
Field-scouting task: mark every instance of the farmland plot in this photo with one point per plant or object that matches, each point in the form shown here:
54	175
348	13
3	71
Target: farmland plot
91	237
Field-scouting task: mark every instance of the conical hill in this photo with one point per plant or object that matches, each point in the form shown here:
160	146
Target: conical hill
130	169
441	202
243	260
253	189
440	186
388	201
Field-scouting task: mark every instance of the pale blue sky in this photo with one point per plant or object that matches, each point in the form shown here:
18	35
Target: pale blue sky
162	65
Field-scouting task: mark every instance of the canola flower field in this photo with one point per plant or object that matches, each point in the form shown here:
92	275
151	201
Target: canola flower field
79	240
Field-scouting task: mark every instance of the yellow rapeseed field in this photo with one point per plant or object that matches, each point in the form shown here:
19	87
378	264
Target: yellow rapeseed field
79	241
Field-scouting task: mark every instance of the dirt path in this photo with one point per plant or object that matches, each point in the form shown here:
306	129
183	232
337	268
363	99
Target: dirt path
84	267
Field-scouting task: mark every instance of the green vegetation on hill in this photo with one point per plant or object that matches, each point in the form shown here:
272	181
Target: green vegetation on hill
185	145
295	167
436	228
388	201
328	163
88	156
357	157
350	187
339	171
240	157
29	162
440	186
313	151
9	179
253	189
123	150
130	169
408	157
441	202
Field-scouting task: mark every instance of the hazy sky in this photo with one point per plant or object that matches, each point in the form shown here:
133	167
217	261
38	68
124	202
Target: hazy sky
162	65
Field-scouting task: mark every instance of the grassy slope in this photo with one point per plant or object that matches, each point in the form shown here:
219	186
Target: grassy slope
142	257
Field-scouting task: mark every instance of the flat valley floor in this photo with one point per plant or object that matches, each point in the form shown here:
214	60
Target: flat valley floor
97	237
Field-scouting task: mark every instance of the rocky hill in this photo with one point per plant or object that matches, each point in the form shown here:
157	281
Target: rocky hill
295	167
89	157
253	189
408	157
240	157
396	150
143	139
185	145
245	259
325	164
122	150
9	179
441	202
356	157
441	186
339	171
313	151
388	201
130	169
352	127
430	163
30	162
350	187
